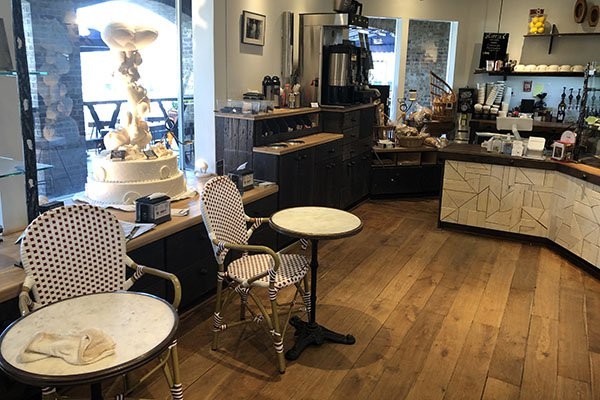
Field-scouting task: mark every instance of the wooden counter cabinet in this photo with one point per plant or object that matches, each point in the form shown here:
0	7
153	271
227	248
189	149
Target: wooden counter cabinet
405	171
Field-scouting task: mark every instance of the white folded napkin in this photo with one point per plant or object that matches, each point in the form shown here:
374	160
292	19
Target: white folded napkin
79	348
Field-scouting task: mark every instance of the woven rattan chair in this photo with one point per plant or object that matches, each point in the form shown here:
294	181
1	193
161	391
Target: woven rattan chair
80	249
260	268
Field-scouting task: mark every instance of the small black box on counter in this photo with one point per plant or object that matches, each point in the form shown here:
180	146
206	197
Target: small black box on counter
153	209
243	179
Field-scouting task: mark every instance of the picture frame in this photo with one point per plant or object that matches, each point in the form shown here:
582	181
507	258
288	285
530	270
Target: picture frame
253	28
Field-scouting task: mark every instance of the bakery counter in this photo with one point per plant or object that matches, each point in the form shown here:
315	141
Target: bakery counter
11	276
476	153
550	202
300	143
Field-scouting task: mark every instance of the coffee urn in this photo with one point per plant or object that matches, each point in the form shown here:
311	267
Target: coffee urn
340	72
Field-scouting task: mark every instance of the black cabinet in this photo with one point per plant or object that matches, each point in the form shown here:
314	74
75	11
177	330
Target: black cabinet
327	182
151	255
356	124
237	134
405	171
189	256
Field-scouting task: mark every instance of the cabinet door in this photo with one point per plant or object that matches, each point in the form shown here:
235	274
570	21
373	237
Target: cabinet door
355	179
190	257
296	174
361	180
328	182
367	120
151	255
264	208
396	180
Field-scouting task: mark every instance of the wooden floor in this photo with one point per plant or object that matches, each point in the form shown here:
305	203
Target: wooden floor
436	315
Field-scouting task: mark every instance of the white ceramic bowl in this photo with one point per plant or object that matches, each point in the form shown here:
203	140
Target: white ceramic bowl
519	68
565	68
542	68
577	68
552	68
530	67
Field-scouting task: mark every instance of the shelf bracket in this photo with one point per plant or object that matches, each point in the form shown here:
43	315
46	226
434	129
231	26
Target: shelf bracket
553	32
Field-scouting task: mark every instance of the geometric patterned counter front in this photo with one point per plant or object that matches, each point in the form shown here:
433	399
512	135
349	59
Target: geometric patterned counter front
542	203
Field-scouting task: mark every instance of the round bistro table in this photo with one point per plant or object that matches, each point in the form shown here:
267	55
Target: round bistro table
141	325
314	223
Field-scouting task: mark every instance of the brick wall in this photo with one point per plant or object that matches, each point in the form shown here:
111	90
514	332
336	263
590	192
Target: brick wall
428	43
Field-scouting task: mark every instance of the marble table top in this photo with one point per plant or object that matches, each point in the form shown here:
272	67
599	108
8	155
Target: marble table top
141	325
316	222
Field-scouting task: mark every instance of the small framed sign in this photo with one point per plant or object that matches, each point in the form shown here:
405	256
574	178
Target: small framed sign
150	154
118	155
253	28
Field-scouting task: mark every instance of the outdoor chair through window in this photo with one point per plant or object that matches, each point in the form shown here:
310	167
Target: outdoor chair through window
259	268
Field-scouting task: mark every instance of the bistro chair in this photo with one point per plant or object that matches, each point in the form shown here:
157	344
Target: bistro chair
259	267
80	249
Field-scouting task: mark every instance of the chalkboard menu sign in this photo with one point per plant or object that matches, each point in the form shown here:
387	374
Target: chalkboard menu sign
493	47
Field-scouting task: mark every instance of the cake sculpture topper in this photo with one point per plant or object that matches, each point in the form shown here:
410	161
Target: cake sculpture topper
128	41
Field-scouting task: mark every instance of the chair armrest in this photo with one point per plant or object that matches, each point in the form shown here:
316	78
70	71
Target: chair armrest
142	269
24	298
253	249
256	222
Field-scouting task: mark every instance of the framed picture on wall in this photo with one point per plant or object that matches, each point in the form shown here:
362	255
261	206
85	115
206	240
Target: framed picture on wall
253	28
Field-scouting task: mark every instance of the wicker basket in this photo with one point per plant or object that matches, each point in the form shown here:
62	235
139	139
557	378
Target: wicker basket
409	141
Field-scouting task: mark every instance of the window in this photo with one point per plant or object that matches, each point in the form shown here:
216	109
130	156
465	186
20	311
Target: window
78	97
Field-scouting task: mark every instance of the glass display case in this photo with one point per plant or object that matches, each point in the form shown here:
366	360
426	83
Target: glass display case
587	150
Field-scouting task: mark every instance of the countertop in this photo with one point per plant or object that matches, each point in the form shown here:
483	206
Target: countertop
276	113
476	153
309	141
11	277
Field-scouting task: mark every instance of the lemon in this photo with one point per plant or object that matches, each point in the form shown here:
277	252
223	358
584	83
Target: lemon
533	30
540	29
542	19
538	24
534	20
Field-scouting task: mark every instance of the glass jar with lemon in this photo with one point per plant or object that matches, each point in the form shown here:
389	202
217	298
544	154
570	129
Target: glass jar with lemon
537	21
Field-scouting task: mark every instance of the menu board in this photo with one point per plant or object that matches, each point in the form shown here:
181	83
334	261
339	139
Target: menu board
493	47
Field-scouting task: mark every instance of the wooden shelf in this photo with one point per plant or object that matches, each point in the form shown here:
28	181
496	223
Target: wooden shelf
419	149
554	33
532	73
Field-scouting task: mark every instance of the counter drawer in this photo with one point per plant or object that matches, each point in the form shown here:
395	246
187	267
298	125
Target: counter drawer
328	150
351	119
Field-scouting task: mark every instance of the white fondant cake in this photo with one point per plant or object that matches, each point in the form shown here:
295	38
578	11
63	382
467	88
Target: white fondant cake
121	182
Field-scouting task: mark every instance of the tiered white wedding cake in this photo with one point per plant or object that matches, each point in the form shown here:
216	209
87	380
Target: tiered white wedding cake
130	168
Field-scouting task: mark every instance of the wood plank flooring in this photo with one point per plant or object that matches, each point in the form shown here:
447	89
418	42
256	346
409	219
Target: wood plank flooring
436	314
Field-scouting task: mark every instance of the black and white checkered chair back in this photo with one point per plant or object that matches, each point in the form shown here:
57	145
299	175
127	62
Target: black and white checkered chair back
223	214
74	250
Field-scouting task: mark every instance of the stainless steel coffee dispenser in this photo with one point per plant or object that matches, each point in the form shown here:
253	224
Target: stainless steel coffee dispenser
318	32
340	73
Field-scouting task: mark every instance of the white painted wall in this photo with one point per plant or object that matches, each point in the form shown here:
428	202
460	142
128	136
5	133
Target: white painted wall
566	50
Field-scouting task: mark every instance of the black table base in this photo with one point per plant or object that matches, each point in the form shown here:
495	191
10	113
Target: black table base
308	333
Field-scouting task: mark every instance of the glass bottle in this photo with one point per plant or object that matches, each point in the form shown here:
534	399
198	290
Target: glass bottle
562	106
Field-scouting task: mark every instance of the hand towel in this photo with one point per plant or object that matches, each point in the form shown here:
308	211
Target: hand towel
79	348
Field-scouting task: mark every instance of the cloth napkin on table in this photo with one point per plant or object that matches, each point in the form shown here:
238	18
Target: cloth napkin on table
80	348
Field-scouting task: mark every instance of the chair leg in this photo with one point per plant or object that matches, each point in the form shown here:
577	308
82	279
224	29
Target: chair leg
277	336
306	294
243	303
49	393
177	387
217	319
